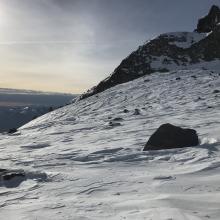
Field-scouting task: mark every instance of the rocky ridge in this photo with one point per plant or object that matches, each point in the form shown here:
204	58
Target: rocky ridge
170	51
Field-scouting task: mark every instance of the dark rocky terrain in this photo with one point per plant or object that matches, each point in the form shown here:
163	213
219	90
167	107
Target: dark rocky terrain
209	22
171	51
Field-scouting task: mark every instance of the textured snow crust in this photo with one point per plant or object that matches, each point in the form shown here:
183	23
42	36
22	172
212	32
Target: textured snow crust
85	161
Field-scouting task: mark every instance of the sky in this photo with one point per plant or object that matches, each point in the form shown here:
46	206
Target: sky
71	45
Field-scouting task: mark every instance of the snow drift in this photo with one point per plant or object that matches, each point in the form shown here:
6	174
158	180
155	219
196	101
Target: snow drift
95	170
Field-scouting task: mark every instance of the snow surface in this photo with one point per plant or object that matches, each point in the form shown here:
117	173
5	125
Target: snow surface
81	166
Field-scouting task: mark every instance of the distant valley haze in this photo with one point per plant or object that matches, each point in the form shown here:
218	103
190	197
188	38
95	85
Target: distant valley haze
17	107
70	45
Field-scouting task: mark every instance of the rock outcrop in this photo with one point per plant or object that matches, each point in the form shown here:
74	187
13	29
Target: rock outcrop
12	130
209	22
171	51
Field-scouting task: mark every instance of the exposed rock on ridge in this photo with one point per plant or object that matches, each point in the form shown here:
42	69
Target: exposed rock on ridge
209	22
171	51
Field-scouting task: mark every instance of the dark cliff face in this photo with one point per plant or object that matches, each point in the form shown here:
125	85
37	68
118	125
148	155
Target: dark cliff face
166	53
208	49
209	22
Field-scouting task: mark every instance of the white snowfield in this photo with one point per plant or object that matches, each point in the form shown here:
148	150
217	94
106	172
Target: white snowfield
81	164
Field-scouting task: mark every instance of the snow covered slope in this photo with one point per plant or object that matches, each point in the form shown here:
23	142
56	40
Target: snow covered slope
85	161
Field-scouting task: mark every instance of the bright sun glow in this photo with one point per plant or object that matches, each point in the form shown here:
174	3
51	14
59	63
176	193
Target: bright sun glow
2	17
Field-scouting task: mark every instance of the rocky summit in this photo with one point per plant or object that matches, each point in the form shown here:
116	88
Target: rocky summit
209	22
168	52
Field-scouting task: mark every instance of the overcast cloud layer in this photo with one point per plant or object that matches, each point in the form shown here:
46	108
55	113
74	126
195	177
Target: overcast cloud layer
70	45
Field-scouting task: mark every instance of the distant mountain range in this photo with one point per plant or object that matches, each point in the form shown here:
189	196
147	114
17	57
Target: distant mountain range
17	107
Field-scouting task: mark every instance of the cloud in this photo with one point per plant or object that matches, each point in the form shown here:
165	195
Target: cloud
80	42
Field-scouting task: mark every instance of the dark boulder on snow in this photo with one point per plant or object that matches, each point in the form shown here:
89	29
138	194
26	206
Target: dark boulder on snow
194	77
118	119
209	22
12	130
168	136
11	178
216	91
125	111
137	111
114	124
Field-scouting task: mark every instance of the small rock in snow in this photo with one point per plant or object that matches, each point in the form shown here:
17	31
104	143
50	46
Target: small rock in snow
118	119
10	178
194	77
12	130
136	111
114	124
216	91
